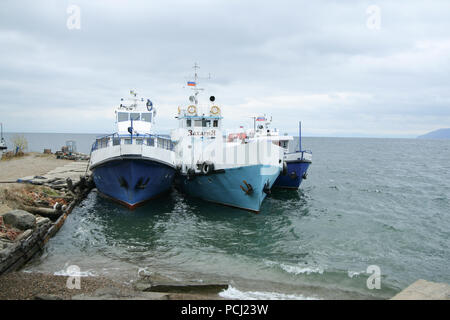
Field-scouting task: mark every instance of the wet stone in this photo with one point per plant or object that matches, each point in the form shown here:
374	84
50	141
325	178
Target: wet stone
19	219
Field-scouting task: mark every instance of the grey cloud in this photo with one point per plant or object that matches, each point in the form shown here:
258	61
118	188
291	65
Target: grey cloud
254	50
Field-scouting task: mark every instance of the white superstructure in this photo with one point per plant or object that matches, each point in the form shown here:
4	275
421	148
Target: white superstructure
134	118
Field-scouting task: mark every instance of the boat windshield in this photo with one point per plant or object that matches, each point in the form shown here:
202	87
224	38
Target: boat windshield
122	116
146	117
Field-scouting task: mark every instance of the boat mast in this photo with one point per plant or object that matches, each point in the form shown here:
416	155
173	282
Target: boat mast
196	88
300	136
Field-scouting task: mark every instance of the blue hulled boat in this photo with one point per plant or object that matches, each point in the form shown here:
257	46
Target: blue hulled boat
297	169
233	171
133	165
297	163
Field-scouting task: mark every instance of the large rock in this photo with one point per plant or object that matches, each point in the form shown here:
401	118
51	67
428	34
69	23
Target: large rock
19	219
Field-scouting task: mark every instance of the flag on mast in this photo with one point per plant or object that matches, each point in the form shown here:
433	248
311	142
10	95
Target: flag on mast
191	83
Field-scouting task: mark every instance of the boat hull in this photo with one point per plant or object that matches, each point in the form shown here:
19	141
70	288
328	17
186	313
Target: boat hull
228	187
296	171
131	182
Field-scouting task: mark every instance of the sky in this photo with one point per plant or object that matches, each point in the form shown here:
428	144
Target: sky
343	68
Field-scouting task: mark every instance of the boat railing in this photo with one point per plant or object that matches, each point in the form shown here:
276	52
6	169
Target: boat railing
151	140
302	151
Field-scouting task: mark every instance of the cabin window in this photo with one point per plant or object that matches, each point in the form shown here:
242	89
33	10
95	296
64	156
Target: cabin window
206	123
116	141
127	141
122	116
146	117
215	123
188	123
139	141
134	116
197	123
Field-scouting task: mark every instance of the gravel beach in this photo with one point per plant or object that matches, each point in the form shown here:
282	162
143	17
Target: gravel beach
32	163
26	286
39	286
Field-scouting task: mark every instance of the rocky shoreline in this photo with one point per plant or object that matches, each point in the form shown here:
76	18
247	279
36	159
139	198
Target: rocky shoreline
34	209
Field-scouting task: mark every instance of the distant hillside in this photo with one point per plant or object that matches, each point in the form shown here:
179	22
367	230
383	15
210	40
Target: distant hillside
437	134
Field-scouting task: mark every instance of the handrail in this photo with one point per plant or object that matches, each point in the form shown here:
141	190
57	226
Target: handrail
302	151
107	138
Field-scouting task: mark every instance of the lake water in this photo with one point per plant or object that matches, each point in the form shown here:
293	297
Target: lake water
37	142
382	202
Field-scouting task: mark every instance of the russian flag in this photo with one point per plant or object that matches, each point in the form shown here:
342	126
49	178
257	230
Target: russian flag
260	119
191	83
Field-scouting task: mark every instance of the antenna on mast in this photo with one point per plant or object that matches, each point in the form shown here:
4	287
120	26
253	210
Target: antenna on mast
196	66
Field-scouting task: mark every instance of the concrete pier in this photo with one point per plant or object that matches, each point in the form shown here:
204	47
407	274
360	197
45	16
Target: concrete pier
424	290
57	177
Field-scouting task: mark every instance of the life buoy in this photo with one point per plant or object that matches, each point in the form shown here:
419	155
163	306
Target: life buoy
192	109
149	105
207	167
285	169
215	110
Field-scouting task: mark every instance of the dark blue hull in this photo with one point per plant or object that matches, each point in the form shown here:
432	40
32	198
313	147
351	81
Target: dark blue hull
133	181
296	171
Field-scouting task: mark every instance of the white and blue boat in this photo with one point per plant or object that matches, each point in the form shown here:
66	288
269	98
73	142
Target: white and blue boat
296	163
232	172
132	165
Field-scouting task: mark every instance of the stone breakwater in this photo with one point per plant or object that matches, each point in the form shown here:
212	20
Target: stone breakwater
41	205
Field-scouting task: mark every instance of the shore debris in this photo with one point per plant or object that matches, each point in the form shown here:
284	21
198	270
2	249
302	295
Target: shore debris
69	152
43	203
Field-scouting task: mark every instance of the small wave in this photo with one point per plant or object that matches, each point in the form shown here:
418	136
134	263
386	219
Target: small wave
301	270
236	294
143	272
352	274
295	269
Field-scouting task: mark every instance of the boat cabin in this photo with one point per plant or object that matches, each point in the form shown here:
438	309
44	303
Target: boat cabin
200	125
135	113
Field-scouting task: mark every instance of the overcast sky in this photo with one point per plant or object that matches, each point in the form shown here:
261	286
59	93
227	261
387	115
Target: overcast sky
338	66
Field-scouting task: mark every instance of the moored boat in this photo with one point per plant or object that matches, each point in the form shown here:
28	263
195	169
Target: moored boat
296	163
133	165
235	173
